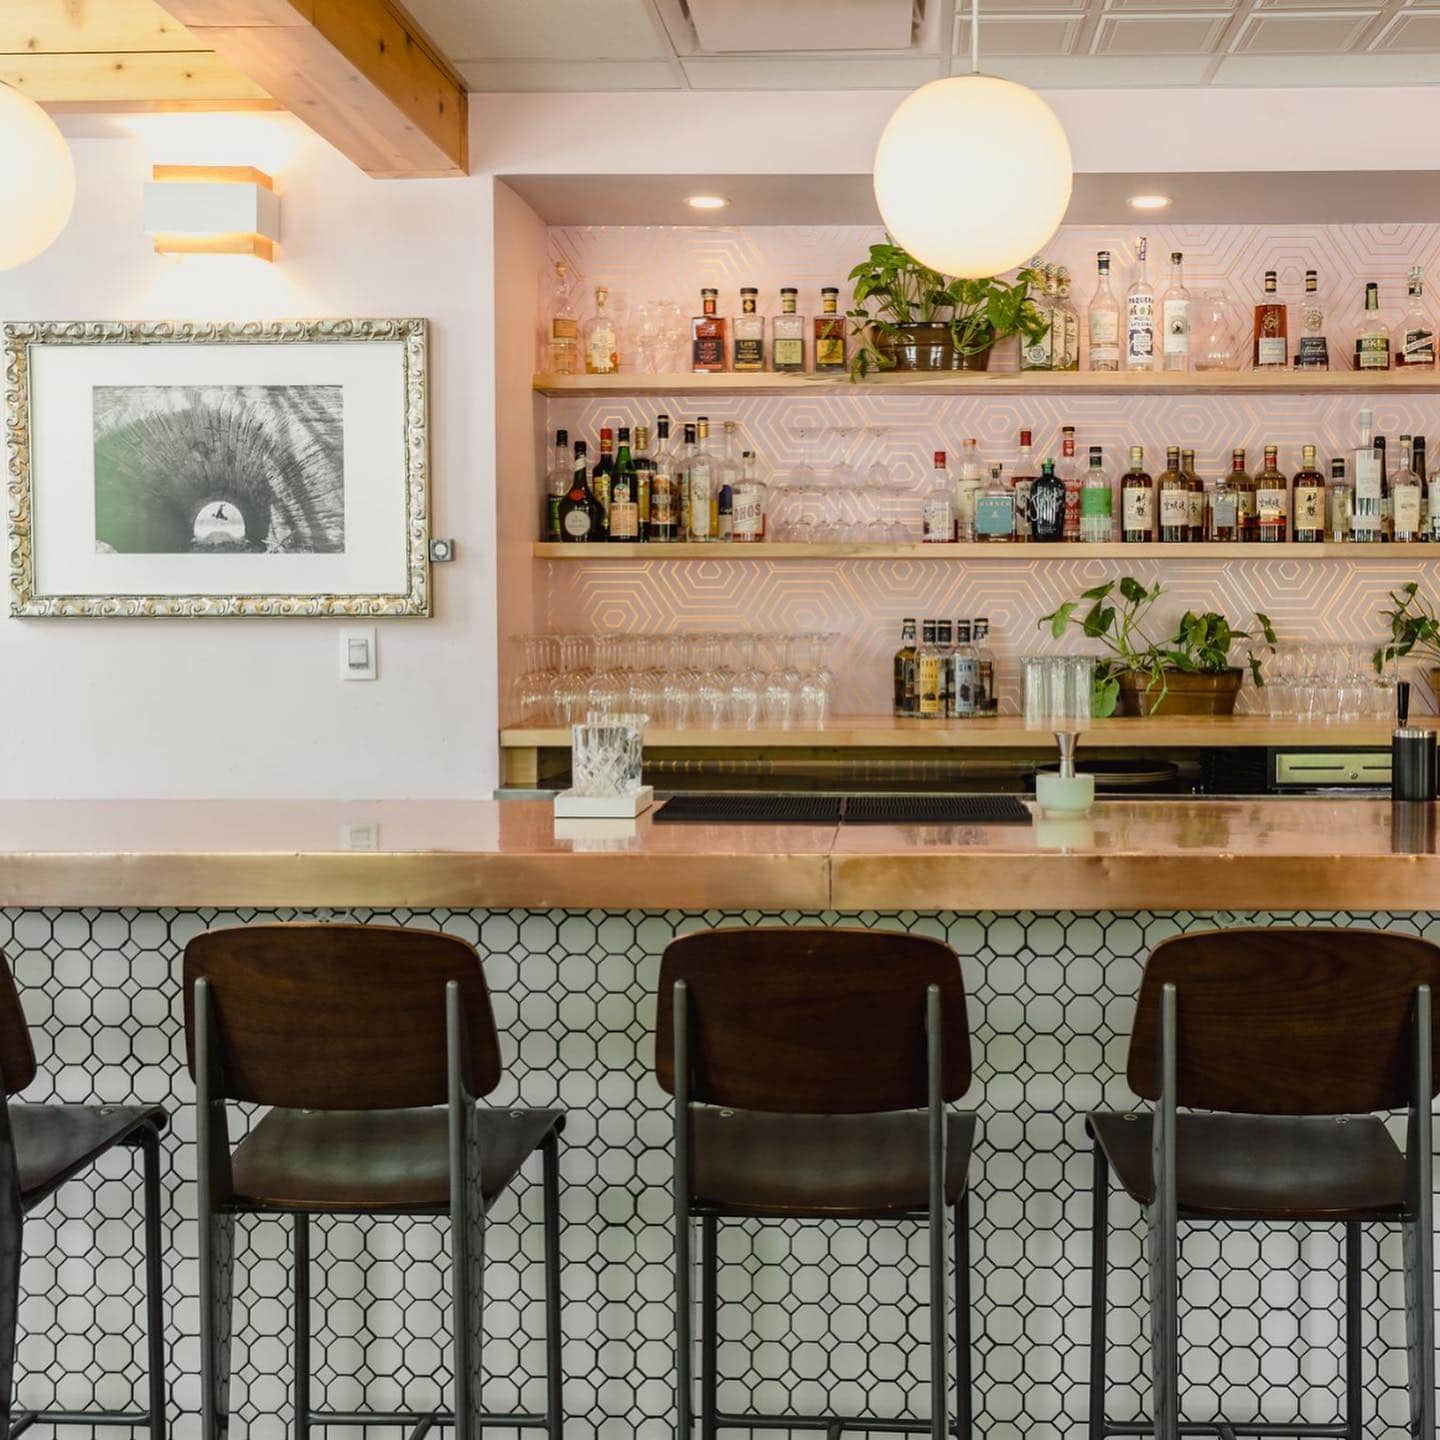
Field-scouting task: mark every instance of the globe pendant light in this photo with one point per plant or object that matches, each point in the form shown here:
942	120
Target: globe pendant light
973	173
37	179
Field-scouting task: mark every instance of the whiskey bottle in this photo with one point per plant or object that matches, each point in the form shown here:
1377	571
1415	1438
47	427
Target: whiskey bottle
1097	502
1175	318
702	486
1072	480
1415	334
1407	495
600	337
967	487
564	351
581	518
1140	315
1223	521
1272	329
708	336
1313	352
1137	501
965	695
1047	504
1432	491
788	332
1025	478
1247	517
1308	498
750	496
830	349
1372	344
905	702
664	488
937	518
1195	487
644	477
624	526
1173	500
1103	319
927	674
749	333
1366	504
987	701
1272	501
995	509
603	474
557	484
1341	503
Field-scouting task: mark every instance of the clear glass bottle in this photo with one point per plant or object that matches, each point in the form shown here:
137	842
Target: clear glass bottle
1271	348
1068	357
945	644
1414	342
748	330
664	527
1047	505
967	487
1103	319
1372	344
995	508
1175	318
1196	489
1307	495
601	337
1223	512
987	700
624	527
964	688
830	347
787	330
1367	514
684	462
1432	489
937	519
708	335
1140	314
1407	498
1025	477
1341	507
1172	501
1038	353
750	502
1137	501
928	680
727	477
1272	501
1313	352
1097	502
1070	477
557	484
563	356
703	486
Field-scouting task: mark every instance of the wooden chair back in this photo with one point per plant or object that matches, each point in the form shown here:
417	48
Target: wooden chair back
1281	1021
811	1021
339	1017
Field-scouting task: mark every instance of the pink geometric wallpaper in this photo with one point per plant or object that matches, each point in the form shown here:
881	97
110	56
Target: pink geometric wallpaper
865	600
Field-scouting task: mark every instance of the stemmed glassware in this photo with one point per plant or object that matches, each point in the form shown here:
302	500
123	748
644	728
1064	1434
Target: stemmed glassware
746	684
813	696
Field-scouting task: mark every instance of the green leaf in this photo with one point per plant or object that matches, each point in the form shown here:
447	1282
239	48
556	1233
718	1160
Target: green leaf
1098	592
1060	618
1106	697
1132	590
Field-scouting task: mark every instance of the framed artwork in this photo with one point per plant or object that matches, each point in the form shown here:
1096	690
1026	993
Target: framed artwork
166	469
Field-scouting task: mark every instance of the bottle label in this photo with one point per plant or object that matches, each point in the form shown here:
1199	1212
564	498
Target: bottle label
1072	508
1314	353
1434	504
600	356
1309	507
1418	348
1372	352
789	353
964	686
1096	502
662	499
577	522
1047	510
964	503
1039	354
708	347
1367	476
1407	509
624	520
1270	508
1174	507
1270	350
564	328
1245	505
995	515
600	488
700	510
1340	511
1223	511
749	516
1138	507
1176	319
927	684
829	345
937	521
750	354
1197	511
1139	329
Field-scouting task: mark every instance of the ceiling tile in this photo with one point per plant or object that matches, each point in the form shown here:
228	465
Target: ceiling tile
503	75
1299	32
540	29
1411	30
1100	72
737	26
1191	32
1022	35
1313	70
808	72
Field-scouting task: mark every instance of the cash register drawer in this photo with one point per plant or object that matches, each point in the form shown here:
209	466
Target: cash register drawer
1298	770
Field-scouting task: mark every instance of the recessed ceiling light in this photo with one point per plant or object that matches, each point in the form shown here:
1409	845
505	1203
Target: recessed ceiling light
1149	202
706	202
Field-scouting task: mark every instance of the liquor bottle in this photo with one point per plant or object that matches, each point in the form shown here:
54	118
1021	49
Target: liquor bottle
995	508
1069	356
1025	478
927	674
1137	500
937	518
986	700
727	480
1047	504
624	512
1172	496
702	486
602	475
1380	455
1415	334
708	335
1038	352
965	693
1272	329
1366	512
1272	501
557	484
1372	344
1103	319
564	350
788	335
967	487
1097	502
750	496
1195	487
1407	498
1247	515
1072	480
664	488
830	350
1140	316
644	477
1432	490
684	462
1308	492
905	706
749	333
581	516
600	337
1175	317
945	644
1223	515
1341	503
1313	352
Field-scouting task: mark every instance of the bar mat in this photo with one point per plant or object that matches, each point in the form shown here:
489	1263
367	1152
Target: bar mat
751	809
935	810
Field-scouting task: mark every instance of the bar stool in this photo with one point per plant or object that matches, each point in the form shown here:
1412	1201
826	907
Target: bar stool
41	1147
372	1045
1291	1038
797	1057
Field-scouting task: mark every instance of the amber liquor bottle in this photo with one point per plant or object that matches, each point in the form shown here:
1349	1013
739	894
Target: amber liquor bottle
830	332
1246	518
1272	502
708	332
1272	339
905	705
1137	500
1172	495
1308	485
1196	488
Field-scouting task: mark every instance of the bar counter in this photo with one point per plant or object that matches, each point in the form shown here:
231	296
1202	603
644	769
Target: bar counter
1154	854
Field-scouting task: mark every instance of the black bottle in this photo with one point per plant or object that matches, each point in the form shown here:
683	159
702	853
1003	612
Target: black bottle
1047	504
581	516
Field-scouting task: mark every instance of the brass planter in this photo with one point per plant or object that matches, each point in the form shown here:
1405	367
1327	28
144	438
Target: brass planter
927	348
1433	675
1185	694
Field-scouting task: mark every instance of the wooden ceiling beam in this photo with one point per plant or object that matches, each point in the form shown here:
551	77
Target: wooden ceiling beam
361	73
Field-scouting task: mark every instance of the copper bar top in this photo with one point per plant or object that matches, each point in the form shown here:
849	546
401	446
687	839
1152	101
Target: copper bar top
1167	854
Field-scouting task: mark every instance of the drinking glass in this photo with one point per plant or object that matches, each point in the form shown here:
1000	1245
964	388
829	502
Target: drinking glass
746	684
573	686
1215	332
607	754
677	699
813	695
777	699
713	680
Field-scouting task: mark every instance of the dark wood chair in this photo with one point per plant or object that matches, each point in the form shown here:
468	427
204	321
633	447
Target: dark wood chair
1289	1040
372	1045
41	1147
811	1070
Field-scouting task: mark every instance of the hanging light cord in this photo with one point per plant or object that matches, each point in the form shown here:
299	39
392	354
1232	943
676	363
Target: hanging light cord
974	37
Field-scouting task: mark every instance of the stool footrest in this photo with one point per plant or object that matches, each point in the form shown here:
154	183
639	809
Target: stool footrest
420	1422
22	1422
1225	1428
831	1424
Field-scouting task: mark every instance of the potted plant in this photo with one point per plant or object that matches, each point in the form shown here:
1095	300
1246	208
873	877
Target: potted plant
1414	630
1187	673
910	317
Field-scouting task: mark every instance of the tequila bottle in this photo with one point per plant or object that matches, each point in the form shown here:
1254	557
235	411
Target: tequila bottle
1103	319
1140	315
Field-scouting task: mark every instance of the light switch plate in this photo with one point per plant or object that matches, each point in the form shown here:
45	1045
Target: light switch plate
357	654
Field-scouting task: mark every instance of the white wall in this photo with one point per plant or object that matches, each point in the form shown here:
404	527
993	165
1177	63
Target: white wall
126	708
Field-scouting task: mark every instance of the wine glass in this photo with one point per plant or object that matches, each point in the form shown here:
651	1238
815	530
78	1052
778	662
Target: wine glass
813	695
746	684
777	700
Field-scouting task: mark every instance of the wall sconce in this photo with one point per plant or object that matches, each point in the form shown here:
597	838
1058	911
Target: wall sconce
212	210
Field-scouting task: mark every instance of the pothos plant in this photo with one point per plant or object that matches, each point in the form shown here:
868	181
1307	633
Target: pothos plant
894	291
1414	628
1200	644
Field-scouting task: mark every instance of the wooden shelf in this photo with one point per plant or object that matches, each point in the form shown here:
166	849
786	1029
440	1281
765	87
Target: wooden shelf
1113	550
1033	382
